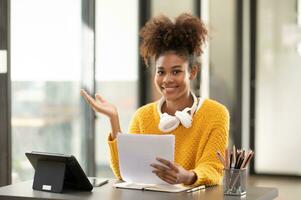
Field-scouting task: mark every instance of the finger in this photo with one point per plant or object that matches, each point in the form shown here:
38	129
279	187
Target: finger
168	164
168	172
165	174
82	91
85	95
90	100
166	178
99	98
87	99
160	167
95	109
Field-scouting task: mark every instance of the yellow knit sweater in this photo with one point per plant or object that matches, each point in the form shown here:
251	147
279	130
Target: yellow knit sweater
195	147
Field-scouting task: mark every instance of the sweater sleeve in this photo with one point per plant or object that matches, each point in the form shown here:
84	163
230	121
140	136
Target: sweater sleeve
209	169
133	128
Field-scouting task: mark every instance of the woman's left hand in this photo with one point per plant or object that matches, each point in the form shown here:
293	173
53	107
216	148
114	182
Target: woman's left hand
173	173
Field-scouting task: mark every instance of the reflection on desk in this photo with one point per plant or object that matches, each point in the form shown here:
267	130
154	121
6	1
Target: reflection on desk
24	190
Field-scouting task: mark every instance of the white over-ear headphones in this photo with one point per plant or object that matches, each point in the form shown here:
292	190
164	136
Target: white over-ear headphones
169	122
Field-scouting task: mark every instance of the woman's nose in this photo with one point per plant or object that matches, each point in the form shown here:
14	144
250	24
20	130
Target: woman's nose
167	78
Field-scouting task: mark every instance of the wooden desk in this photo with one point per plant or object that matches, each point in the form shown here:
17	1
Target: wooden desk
24	191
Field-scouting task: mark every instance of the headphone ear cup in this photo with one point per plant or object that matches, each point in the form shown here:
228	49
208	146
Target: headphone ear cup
185	118
168	122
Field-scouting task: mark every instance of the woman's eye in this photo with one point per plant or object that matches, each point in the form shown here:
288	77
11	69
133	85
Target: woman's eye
176	72
159	72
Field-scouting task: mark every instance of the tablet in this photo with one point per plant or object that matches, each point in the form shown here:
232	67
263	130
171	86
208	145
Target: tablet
53	172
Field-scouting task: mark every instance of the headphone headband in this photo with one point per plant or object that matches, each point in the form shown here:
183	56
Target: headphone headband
169	122
192	108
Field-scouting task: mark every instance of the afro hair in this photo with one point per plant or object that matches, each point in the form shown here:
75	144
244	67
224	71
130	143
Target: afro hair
186	34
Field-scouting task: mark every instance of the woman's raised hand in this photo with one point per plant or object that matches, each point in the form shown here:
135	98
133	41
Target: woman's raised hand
99	104
102	106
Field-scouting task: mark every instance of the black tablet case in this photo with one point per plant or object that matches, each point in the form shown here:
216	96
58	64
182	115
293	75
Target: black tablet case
53	173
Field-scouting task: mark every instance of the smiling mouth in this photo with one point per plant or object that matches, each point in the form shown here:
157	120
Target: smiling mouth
166	87
169	89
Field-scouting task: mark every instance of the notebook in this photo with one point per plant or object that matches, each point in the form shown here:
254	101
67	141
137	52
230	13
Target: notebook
154	187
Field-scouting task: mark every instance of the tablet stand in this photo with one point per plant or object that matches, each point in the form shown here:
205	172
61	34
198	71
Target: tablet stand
49	176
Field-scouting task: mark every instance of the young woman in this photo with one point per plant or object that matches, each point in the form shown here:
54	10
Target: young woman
200	125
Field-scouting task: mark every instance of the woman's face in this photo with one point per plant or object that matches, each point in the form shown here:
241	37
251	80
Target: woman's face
172	78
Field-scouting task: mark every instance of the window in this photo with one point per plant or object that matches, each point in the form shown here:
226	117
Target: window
278	96
116	69
45	70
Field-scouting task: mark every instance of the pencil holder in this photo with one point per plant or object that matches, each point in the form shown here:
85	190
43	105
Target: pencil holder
234	182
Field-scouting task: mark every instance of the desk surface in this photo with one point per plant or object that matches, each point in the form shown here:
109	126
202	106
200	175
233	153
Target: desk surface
24	191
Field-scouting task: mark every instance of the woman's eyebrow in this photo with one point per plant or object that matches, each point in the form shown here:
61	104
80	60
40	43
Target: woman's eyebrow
177	66
173	67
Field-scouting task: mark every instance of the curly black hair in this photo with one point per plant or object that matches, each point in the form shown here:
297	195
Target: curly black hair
186	36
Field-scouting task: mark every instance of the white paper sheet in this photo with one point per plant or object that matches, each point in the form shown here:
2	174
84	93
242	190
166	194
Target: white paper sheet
136	153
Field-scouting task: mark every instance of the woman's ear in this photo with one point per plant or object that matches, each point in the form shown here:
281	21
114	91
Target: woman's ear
193	72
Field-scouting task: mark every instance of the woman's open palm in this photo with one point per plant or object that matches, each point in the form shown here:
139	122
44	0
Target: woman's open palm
100	105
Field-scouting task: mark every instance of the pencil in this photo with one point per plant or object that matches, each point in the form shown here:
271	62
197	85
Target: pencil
227	157
243	165
248	160
221	158
245	159
234	156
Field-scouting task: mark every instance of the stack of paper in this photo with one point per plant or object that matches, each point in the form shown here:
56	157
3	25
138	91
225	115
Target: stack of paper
136	153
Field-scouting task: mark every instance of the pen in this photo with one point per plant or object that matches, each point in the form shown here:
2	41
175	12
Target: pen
196	188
